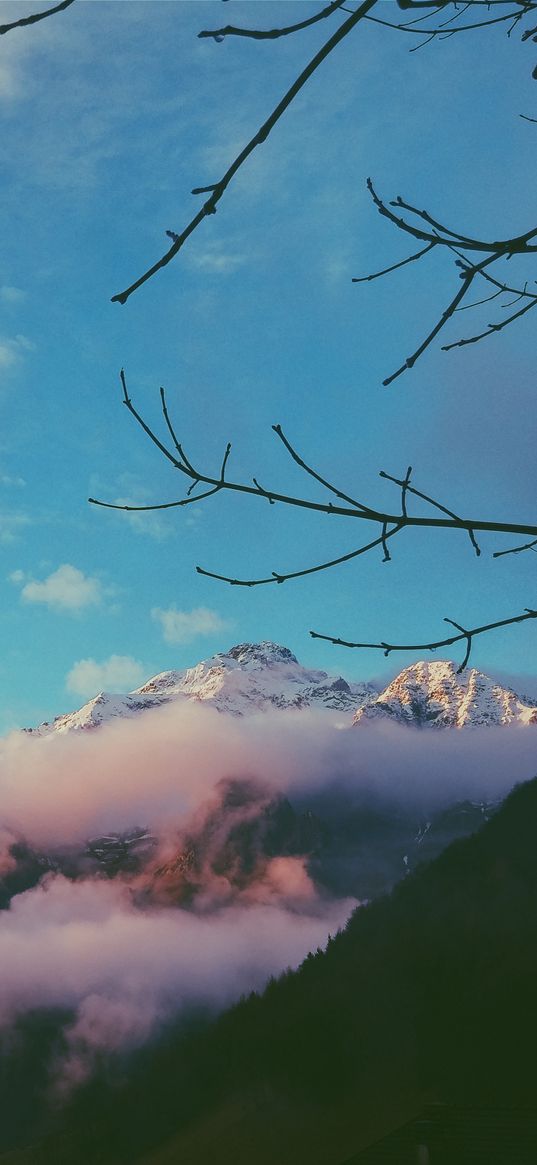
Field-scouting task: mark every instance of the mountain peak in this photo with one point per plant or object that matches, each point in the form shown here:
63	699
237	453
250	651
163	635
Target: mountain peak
258	677
263	654
434	692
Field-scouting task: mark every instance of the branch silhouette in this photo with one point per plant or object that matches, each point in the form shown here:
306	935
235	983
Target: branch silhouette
517	549
219	34
477	261
444	31
218	189
35	17
464	634
390	524
434	234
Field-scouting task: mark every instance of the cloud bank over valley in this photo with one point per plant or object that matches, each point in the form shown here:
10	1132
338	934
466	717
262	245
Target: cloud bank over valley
230	887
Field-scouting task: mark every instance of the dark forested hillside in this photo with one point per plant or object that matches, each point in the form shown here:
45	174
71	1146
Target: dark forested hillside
427	994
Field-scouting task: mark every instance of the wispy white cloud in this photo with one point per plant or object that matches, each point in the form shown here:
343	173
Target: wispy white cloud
12	65
66	589
11	526
151	523
12	349
118	673
183	626
10	479
217	261
19	50
128	489
11	294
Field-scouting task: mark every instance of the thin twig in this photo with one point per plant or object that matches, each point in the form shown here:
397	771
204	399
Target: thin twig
516	549
356	511
435	233
396	266
468	635
465	635
517	244
275	577
187	501
521	292
35	17
218	34
219	188
491	328
313	473
418	493
446	315
431	33
480	302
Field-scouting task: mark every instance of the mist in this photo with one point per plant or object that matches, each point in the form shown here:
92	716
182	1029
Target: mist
122	954
125	971
161	767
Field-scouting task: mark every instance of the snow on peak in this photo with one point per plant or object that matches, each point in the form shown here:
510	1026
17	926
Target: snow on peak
257	677
263	654
254	677
434	693
104	708
250	677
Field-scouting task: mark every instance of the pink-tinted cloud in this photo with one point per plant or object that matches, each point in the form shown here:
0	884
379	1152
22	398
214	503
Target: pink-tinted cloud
86	945
125	959
162	766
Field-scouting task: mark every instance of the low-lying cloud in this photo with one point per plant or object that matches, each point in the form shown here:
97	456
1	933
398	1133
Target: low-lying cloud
123	953
163	764
123	970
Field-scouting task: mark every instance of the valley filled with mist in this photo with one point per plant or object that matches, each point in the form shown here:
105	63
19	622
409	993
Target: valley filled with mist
162	861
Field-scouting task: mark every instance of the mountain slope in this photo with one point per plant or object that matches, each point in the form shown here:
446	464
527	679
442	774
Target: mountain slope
247	679
259	677
434	694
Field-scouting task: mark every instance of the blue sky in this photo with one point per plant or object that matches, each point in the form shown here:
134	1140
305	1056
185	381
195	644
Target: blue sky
110	113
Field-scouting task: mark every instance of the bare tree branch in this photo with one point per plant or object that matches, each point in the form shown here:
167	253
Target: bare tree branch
491	328
520	291
435	234
390	524
280	578
407	488
219	34
313	473
480	302
516	549
465	634
35	17
518	244
446	315
218	189
395	266
440	32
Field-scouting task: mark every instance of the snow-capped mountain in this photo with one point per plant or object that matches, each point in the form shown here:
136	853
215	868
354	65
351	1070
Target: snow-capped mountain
257	677
248	678
434	694
104	708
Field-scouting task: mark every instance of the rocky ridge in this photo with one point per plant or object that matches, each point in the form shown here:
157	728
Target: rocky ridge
433	694
252	678
247	679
